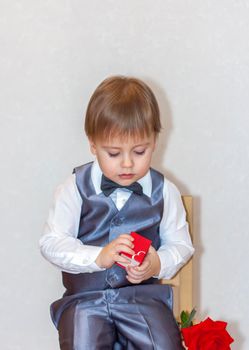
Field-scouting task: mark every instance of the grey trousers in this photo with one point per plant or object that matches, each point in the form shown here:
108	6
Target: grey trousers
134	317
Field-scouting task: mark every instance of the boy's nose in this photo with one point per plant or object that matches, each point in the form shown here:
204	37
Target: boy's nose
127	162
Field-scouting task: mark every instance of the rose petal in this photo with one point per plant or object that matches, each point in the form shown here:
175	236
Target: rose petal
207	335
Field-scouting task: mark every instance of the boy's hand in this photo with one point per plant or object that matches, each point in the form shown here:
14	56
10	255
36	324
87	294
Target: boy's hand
110	254
150	267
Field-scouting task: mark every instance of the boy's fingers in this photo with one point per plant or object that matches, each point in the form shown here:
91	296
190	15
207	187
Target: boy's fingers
134	273
133	280
122	260
124	240
124	248
126	236
144	267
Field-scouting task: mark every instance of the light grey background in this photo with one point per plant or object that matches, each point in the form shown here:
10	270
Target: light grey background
195	55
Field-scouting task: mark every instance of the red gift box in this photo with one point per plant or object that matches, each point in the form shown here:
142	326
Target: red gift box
141	247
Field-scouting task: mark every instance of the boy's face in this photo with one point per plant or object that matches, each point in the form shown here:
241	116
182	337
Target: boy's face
124	161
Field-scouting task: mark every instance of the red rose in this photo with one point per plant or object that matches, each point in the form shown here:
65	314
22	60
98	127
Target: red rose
207	335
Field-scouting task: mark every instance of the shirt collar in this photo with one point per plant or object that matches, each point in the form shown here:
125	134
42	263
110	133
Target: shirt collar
96	175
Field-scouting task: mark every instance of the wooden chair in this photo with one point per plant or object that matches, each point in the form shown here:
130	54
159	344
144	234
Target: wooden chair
182	283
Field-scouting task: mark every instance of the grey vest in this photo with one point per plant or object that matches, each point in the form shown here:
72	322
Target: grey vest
101	222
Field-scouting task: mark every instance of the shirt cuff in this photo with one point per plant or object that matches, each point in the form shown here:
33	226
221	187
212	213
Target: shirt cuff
86	257
167	260
173	259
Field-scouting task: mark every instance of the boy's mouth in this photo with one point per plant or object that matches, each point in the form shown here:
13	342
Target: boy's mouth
126	176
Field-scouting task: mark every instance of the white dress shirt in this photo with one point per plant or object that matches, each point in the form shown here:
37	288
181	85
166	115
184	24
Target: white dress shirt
59	243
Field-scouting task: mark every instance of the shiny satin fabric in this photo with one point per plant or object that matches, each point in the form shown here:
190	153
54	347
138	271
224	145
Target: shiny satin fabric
101	222
100	309
137	317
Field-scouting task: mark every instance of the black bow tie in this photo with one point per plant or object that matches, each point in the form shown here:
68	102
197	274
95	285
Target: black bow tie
108	186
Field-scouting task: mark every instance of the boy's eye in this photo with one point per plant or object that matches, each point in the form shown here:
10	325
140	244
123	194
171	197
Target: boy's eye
140	152
113	154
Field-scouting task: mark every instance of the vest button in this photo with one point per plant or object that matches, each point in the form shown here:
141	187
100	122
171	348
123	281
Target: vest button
111	294
117	222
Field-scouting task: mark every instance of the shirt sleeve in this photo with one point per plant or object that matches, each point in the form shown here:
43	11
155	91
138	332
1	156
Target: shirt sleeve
176	247
59	243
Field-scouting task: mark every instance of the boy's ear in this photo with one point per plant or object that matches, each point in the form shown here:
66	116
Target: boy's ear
92	146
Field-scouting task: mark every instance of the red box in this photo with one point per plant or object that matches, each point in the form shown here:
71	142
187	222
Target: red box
141	247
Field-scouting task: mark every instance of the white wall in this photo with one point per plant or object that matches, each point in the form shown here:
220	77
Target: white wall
195	55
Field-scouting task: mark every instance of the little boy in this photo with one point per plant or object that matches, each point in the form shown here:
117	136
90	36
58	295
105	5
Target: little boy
89	226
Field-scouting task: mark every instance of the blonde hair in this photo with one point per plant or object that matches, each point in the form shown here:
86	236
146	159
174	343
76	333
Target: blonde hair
122	106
